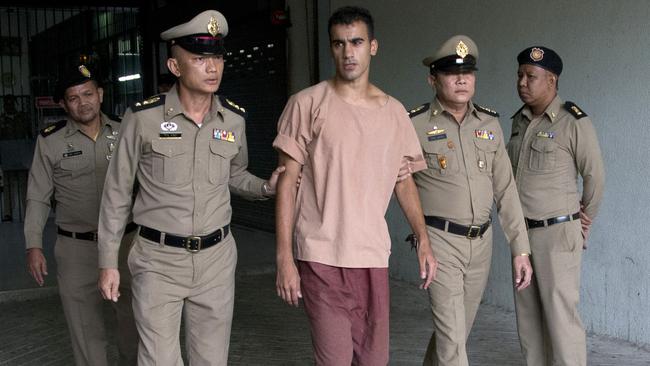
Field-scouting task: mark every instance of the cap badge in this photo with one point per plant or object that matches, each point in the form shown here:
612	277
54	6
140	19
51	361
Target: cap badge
537	54
461	49
84	71
213	27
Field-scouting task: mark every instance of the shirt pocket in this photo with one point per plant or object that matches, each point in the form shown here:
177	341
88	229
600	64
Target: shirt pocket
76	171
440	158
171	164
542	155
221	153
485	152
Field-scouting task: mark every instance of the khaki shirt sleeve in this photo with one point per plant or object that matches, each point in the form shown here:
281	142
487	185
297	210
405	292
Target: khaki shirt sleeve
40	188
507	201
118	188
589	162
294	131
242	182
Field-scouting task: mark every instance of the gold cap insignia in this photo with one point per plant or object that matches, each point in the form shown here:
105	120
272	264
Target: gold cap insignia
84	71
461	49
537	54
213	27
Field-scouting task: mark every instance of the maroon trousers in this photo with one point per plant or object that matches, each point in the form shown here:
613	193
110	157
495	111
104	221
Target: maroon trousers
348	310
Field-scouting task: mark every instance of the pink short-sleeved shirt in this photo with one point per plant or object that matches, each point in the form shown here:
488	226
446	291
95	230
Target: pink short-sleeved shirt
351	157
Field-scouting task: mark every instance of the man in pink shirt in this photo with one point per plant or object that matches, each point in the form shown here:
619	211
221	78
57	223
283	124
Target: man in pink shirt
349	139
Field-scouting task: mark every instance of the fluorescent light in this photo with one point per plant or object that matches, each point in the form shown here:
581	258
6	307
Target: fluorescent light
129	77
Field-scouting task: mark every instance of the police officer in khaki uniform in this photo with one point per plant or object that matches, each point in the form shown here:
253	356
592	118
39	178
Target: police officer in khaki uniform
188	150
70	163
468	170
551	143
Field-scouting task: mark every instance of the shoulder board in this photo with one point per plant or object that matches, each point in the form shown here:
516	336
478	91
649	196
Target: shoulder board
574	110
227	103
151	102
517	112
486	110
53	128
419	110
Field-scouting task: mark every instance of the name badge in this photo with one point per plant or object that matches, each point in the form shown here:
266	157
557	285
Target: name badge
169	130
72	153
437	137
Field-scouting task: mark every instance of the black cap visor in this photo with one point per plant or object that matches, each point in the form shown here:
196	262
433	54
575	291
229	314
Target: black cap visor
201	44
454	63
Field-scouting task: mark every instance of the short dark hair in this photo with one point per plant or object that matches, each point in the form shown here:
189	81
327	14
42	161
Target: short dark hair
350	14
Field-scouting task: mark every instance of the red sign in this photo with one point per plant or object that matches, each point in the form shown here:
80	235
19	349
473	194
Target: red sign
46	102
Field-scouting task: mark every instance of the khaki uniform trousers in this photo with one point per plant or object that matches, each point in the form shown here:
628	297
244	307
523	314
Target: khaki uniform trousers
169	281
550	329
455	294
77	275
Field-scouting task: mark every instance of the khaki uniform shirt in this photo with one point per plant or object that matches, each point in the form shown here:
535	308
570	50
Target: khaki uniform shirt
351	157
468	170
185	172
547	153
72	167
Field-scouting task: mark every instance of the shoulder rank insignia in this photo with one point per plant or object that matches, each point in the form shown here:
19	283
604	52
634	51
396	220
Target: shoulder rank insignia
486	110
154	101
53	128
227	103
574	110
419	110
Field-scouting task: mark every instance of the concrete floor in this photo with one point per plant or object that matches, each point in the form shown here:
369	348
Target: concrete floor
267	332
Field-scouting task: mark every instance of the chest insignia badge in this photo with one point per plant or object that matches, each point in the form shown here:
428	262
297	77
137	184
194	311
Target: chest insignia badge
219	134
436	131
545	134
442	161
484	134
169	130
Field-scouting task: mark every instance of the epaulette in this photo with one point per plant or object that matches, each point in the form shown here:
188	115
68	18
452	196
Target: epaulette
419	110
227	103
486	110
517	112
151	102
53	128
574	110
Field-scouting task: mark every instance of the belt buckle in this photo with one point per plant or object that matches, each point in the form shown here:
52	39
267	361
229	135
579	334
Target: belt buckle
95	236
189	244
473	232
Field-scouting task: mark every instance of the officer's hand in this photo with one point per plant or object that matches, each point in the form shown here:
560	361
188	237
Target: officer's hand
405	171
428	263
585	222
287	282
109	283
273	180
37	265
523	271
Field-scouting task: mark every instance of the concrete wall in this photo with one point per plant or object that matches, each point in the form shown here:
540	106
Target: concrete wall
606	53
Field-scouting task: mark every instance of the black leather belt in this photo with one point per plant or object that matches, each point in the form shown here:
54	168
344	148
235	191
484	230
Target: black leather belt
192	244
92	235
470	232
532	224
